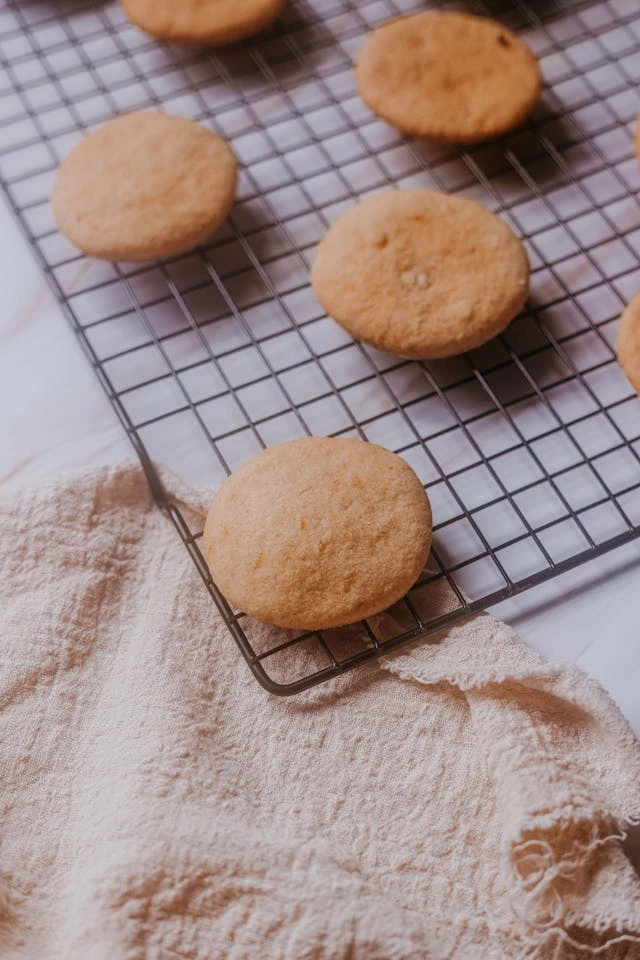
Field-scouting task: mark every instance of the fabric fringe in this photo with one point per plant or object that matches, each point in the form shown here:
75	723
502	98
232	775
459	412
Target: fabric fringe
540	868
552	857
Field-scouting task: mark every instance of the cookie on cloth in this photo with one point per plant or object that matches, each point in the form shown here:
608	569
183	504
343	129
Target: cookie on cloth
202	22
629	342
420	273
143	186
452	77
318	533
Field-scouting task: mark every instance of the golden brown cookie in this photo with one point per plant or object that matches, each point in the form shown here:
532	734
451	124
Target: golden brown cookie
420	273
318	532
202	22
629	342
143	186
449	76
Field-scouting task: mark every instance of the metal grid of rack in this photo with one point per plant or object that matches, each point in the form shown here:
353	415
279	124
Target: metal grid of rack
529	447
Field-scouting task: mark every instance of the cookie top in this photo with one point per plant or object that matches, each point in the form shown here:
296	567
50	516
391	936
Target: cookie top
318	533
202	22
449	76
421	274
143	186
629	342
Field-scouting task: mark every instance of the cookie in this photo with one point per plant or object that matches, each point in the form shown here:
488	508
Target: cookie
318	533
143	186
202	22
421	274
448	76
629	342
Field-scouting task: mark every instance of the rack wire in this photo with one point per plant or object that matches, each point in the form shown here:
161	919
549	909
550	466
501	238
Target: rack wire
529	447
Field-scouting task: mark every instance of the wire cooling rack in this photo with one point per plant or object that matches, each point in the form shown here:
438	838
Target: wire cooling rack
529	447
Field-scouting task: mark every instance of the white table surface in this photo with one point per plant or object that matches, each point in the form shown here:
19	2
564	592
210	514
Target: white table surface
54	418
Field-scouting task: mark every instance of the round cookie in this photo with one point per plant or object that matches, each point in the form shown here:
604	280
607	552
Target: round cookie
202	22
318	533
449	76
629	342
421	274
143	186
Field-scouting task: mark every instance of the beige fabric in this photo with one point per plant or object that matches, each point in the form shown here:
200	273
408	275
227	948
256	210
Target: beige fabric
156	803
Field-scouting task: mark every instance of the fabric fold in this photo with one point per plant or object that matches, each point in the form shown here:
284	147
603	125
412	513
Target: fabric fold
568	770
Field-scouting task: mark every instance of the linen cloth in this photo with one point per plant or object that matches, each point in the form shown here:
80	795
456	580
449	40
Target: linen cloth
463	800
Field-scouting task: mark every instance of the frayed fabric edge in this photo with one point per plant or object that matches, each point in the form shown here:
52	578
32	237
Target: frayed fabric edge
616	948
544	866
538	942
